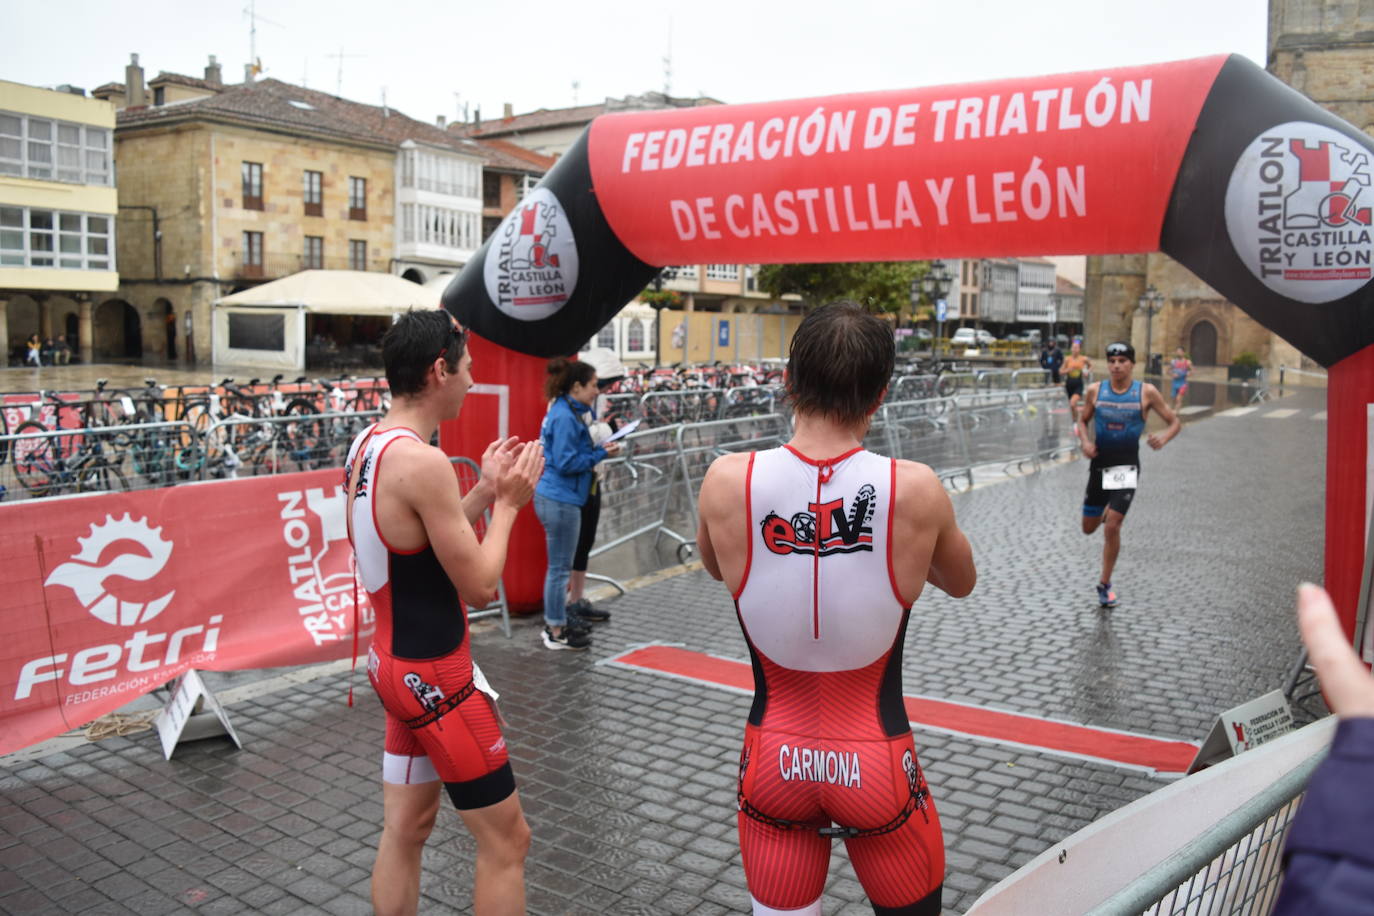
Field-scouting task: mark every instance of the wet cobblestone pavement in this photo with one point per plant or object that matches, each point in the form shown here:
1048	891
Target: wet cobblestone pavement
628	777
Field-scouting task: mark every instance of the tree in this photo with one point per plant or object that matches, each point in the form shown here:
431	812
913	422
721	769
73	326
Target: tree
881	286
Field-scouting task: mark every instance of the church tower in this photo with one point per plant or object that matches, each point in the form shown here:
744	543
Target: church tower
1322	48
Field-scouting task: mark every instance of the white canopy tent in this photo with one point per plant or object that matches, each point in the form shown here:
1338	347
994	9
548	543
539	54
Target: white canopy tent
265	326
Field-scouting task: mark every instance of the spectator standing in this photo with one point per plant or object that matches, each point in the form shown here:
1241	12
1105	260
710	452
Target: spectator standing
1052	358
609	370
34	346
1329	853
570	458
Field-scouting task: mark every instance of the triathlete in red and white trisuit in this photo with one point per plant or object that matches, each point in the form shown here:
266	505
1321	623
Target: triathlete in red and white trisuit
828	737
825	546
417	556
440	720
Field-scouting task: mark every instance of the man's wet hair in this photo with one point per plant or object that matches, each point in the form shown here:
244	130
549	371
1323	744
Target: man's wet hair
840	362
412	344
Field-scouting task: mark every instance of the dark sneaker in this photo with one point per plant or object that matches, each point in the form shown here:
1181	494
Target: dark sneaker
589	612
568	639
575	622
1105	596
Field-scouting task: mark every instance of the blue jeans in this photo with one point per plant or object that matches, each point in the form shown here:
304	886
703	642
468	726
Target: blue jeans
562	522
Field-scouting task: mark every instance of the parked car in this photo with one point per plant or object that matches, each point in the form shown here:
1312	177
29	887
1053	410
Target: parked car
967	337
973	337
924	335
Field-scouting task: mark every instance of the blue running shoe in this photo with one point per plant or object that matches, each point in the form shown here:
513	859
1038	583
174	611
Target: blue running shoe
1105	596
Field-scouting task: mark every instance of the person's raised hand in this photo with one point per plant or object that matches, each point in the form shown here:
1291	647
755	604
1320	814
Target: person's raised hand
516	487
1346	682
499	457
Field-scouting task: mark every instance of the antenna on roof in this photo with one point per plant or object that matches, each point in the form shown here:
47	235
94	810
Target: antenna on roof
668	62
338	84
461	106
251	11
576	84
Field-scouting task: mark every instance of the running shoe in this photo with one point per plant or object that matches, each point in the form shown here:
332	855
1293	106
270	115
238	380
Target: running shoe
568	639
589	612
1105	596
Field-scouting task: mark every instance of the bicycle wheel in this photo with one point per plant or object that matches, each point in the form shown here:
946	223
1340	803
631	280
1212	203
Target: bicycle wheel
304	436
4	432
36	462
99	477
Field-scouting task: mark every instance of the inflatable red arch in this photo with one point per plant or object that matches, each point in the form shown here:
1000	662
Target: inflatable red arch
1260	192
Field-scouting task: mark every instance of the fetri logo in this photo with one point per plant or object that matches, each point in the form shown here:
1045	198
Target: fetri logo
85	575
1300	209
531	267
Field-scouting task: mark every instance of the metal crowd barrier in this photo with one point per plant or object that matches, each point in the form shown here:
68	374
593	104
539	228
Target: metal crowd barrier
469	473
1209	844
93	460
652	486
924	430
699	444
637	487
237	446
690	405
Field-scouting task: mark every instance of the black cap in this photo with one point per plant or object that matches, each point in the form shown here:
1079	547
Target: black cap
1121	348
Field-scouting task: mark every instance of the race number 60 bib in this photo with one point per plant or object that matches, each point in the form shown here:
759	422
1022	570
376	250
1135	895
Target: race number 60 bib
1121	477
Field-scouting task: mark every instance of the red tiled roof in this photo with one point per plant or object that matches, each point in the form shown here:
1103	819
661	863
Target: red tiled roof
545	118
269	103
502	154
534	120
1064	285
183	80
113	87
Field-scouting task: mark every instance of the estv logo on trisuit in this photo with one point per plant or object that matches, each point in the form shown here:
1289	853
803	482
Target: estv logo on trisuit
825	528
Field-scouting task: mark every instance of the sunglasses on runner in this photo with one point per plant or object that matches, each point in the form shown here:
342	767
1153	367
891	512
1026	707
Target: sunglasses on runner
457	334
1121	349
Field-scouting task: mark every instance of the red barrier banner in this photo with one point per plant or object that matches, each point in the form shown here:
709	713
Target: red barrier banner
111	595
1065	164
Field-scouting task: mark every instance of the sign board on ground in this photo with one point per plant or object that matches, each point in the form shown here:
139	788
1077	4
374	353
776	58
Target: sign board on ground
1244	728
179	720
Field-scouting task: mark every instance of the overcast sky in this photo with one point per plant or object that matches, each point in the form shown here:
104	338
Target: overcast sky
432	57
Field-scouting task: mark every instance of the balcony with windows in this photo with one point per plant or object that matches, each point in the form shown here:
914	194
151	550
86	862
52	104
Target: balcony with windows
263	266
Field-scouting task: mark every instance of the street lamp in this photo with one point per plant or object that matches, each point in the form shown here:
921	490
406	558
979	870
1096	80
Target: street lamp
936	285
666	275
1150	303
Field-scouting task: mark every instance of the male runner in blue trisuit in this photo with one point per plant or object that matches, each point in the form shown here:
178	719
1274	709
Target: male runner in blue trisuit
1117	408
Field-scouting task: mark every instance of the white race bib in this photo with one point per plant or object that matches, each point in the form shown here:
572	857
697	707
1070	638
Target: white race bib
1121	477
128	404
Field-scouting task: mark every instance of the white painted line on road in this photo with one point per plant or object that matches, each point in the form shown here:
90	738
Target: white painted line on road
1194	408
1237	411
1319	416
1283	413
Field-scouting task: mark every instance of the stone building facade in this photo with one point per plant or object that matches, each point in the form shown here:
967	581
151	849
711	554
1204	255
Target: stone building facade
226	186
1324	49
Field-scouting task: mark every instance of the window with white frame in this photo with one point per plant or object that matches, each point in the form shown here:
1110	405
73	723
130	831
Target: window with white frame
526	185
722	271
687	272
606	337
407	222
53	150
634	336
34	237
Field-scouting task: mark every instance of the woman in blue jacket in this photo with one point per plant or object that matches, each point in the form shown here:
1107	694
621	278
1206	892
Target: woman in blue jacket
569	458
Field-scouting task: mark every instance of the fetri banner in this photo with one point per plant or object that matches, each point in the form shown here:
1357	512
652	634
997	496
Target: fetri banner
109	596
